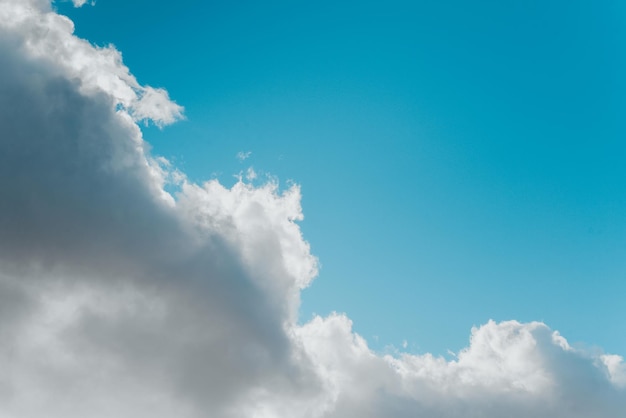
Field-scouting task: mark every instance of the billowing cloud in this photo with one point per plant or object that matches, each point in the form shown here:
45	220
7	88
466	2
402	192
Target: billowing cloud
509	369
49	36
118	299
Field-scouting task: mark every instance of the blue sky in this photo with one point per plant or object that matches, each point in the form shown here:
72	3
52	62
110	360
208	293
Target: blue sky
458	161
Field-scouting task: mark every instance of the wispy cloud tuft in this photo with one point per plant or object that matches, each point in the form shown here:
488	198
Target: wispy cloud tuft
242	156
81	3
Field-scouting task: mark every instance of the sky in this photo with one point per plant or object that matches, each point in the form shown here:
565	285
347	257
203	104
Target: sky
293	210
459	161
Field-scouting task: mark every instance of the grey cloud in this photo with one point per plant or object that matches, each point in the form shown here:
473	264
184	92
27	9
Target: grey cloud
82	217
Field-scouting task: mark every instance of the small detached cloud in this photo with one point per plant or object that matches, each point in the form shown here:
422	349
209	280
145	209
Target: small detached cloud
120	299
80	3
242	156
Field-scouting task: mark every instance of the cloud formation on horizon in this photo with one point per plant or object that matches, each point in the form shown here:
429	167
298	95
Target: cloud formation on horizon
118	299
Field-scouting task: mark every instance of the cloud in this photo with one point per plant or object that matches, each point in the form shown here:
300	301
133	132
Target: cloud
118	299
242	156
80	3
128	300
49	36
509	369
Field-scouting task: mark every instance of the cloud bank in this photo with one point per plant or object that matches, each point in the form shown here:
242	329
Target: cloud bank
118	299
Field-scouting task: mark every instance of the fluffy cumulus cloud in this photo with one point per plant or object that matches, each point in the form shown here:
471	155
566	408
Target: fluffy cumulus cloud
118	299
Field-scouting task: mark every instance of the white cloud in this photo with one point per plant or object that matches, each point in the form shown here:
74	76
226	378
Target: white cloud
616	368
509	369
251	174
120	300
242	156
79	3
49	36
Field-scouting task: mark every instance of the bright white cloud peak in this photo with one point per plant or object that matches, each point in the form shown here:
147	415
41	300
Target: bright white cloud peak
119	300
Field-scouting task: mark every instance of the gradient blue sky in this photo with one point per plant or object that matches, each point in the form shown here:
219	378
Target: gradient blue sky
459	161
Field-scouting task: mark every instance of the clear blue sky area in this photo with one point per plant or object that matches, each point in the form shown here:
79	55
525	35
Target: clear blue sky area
459	161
